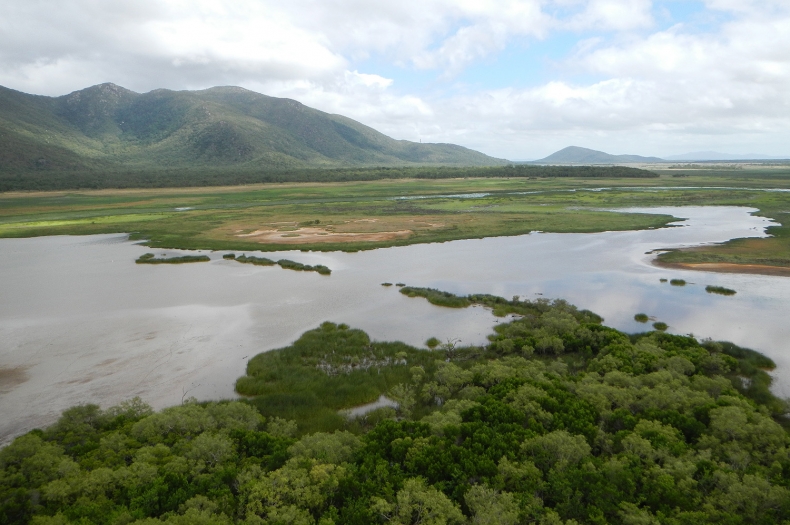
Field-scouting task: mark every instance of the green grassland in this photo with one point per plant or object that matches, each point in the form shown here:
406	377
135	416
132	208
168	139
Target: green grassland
371	214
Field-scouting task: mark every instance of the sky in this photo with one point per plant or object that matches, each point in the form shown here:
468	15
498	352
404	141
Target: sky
516	79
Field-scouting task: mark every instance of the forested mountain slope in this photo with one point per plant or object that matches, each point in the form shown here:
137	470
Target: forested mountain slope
110	127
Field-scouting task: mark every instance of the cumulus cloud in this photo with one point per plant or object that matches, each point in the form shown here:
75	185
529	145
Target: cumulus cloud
627	83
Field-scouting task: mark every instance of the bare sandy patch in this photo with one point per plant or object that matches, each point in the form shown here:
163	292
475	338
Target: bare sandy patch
320	235
11	378
759	269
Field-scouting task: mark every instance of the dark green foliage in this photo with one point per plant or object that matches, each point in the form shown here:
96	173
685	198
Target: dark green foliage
641	318
386	284
437	297
721	290
149	258
663	280
400	285
500	306
325	370
229	256
116	177
291	265
677	282
557	419
660	325
284	263
750	376
257	261
432	343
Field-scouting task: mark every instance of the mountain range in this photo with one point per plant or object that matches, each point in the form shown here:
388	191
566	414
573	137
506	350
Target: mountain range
110	127
716	155
577	155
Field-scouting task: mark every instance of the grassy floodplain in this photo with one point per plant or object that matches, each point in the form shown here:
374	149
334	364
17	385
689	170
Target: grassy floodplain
371	214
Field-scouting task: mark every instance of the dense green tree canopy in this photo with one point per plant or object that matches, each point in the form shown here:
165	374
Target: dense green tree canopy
559	420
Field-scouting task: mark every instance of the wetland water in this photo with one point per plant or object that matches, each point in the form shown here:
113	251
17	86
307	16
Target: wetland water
80	322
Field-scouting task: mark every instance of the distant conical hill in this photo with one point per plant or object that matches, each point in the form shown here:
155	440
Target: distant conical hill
110	127
577	155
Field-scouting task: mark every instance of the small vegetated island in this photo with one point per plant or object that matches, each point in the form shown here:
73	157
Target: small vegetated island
557	420
150	258
283	263
720	290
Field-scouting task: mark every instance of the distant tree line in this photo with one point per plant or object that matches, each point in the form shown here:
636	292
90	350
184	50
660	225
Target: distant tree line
101	179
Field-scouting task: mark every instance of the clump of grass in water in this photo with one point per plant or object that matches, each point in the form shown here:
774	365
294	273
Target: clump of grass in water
720	290
229	256
293	265
386	284
149	258
641	318
661	326
677	282
400	285
663	280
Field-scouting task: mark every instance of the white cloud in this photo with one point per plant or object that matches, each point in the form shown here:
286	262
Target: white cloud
626	84
620	15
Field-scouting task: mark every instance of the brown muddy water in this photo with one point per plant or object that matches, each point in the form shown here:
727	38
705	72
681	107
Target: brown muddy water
80	322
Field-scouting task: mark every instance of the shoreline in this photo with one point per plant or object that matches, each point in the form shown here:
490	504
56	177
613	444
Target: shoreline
758	269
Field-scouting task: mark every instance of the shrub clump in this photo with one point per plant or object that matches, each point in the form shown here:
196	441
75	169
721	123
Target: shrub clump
677	282
641	318
299	267
432	343
720	290
149	258
660	325
229	256
258	261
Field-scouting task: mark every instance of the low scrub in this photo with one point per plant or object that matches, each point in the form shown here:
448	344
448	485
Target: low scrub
720	290
292	265
150	258
257	261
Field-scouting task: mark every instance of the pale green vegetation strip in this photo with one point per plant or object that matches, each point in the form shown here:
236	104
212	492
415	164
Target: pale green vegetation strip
101	220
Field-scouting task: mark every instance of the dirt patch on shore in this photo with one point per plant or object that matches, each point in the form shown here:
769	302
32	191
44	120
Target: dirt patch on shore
728	268
10	378
320	235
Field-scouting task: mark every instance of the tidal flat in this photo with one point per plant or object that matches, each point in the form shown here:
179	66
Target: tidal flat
90	326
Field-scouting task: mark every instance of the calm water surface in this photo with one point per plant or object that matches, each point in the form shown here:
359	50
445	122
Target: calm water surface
80	322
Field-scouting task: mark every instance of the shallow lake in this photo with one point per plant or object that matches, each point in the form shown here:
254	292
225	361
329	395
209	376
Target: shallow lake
80	322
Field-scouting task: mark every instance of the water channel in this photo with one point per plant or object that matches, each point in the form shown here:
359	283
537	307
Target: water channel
80	322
